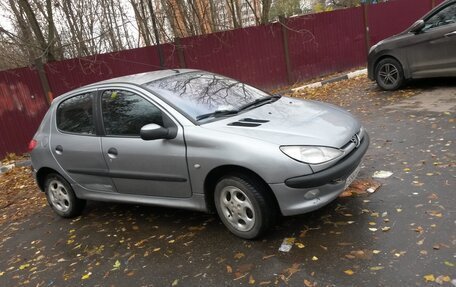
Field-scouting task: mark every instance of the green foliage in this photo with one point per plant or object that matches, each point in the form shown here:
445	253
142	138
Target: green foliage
285	8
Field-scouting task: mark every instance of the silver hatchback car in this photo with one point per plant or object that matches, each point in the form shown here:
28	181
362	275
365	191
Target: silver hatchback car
196	140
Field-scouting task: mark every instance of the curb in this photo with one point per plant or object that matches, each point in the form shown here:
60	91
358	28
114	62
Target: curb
9	167
333	80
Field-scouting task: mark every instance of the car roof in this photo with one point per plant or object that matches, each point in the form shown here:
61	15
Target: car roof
142	78
136	79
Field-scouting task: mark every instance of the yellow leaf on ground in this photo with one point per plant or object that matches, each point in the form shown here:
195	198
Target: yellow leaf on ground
376	268
300	245
251	280
23	266
349	272
429	278
86	276
239	255
116	265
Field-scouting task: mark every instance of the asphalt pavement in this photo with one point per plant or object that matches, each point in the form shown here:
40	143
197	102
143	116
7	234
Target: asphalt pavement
403	234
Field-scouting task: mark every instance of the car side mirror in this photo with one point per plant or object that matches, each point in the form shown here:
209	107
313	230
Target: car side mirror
154	132
417	26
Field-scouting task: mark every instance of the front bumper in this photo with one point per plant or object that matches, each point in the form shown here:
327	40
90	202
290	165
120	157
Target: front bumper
306	193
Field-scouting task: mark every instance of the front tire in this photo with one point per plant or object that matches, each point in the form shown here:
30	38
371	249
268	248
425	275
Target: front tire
389	74
244	206
61	197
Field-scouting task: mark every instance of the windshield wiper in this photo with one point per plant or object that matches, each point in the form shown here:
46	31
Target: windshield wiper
216	114
259	102
255	103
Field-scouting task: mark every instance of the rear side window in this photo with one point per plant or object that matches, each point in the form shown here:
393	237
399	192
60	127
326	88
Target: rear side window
125	113
75	115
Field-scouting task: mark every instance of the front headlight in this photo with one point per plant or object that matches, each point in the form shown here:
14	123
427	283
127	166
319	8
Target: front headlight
311	154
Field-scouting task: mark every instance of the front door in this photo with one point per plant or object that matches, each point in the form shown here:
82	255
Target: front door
433	52
154	168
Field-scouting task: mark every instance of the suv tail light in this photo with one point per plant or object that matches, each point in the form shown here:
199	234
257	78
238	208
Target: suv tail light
32	144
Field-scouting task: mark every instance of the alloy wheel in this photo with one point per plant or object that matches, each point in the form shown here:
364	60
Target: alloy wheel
237	208
388	75
59	196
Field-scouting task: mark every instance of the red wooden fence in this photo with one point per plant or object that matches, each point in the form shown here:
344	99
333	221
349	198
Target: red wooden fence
317	44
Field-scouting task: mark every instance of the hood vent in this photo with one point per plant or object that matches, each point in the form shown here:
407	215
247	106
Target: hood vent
248	122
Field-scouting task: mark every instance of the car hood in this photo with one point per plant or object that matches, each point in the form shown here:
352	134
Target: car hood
290	121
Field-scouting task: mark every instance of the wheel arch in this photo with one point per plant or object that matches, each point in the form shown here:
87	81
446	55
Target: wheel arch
41	175
387	55
218	172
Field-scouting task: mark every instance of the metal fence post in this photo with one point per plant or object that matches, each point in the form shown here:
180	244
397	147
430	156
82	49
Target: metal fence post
44	80
180	53
282	22
366	27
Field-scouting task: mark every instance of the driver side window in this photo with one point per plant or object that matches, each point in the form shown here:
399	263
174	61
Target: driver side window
444	17
125	113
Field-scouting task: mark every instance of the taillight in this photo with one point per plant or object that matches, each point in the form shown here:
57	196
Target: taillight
32	144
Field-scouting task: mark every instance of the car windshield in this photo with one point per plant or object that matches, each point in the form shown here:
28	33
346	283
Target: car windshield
204	95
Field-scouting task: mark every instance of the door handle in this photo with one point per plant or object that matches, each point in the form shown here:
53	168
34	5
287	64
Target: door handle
59	149
112	152
450	34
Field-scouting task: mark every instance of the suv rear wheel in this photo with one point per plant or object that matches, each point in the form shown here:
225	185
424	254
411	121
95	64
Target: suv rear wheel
389	74
244	206
61	197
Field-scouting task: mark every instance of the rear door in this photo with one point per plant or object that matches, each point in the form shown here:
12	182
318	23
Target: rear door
75	144
153	168
433	53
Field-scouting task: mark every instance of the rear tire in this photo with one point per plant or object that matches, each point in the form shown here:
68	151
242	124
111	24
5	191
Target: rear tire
389	74
61	197
244	206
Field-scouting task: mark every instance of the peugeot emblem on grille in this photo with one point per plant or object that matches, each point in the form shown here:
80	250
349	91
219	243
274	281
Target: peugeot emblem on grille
355	139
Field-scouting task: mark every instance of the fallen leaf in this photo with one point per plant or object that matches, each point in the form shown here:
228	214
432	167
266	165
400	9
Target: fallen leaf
175	282
239	255
448	263
300	245
251	280
376	268
229	269
23	266
349	272
86	276
373	229
292	270
307	283
314	258
429	278
441	278
386	228
116	265
419	229
376	251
